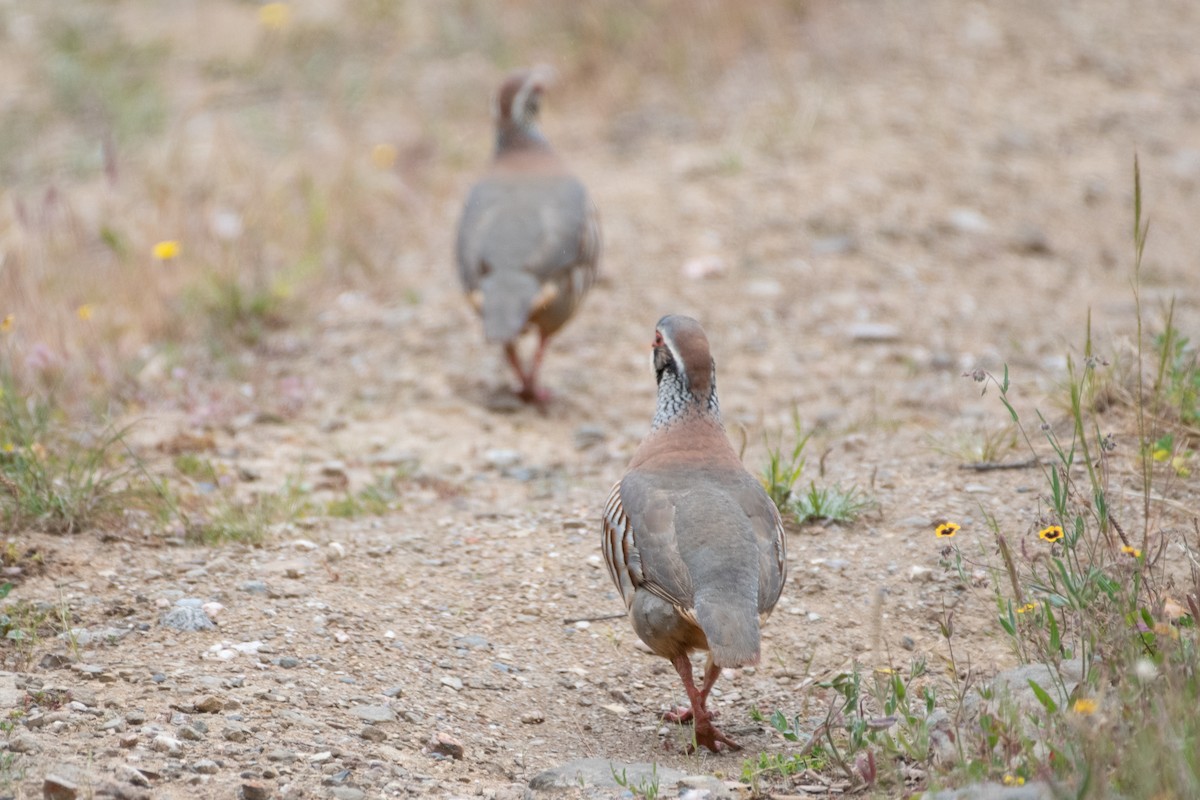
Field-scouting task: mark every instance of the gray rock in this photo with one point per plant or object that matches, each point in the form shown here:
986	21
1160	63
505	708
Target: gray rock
62	783
600	772
188	733
1014	683
52	661
24	743
209	704
132	775
205	766
188	619
589	436
253	790
873	332
967	220
374	713
710	788
254	587
235	732
347	793
167	744
446	746
84	695
500	459
994	791
83	637
472	642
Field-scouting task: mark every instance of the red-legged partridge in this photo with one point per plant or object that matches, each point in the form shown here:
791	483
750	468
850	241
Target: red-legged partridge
529	237
691	539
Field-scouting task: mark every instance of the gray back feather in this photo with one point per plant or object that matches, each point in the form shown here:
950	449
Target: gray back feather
699	549
533	224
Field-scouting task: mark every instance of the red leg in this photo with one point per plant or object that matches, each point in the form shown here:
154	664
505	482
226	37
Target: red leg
683	713
510	351
530	391
705	732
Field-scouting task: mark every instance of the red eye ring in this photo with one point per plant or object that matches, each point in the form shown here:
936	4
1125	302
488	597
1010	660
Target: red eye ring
658	340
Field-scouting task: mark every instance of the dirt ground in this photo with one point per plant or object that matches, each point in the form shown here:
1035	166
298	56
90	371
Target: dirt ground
955	192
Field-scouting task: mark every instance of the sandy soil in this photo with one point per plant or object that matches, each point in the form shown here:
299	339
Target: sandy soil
955	193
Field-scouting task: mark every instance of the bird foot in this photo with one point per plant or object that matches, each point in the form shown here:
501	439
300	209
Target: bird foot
678	715
682	714
707	735
535	395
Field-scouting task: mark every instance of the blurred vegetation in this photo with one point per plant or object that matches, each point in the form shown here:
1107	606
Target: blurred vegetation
292	148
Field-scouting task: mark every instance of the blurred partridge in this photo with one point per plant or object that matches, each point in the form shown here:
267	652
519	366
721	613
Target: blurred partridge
529	237
691	539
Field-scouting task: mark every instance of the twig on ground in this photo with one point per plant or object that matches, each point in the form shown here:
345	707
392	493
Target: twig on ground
989	466
593	619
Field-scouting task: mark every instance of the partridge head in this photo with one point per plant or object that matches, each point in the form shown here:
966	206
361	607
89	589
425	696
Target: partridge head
692	542
529	237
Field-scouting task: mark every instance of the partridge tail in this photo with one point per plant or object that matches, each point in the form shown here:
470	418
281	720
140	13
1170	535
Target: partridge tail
731	628
507	298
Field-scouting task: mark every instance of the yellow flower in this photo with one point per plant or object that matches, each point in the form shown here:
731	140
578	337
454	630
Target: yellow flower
274	15
1179	464
166	250
8	447
1131	551
1164	629
1162	454
383	156
1085	706
1051	534
946	530
84	312
1013	780
7	323
1027	607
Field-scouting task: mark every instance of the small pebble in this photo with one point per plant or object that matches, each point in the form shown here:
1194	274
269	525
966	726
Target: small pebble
167	744
445	745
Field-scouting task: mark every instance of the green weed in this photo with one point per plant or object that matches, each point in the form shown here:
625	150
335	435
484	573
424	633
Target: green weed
784	467
831	504
376	499
1177	379
23	625
62	481
817	504
1088	591
245	520
647	788
988	445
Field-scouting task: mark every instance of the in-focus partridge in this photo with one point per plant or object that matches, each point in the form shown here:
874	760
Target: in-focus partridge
529	237
691	539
